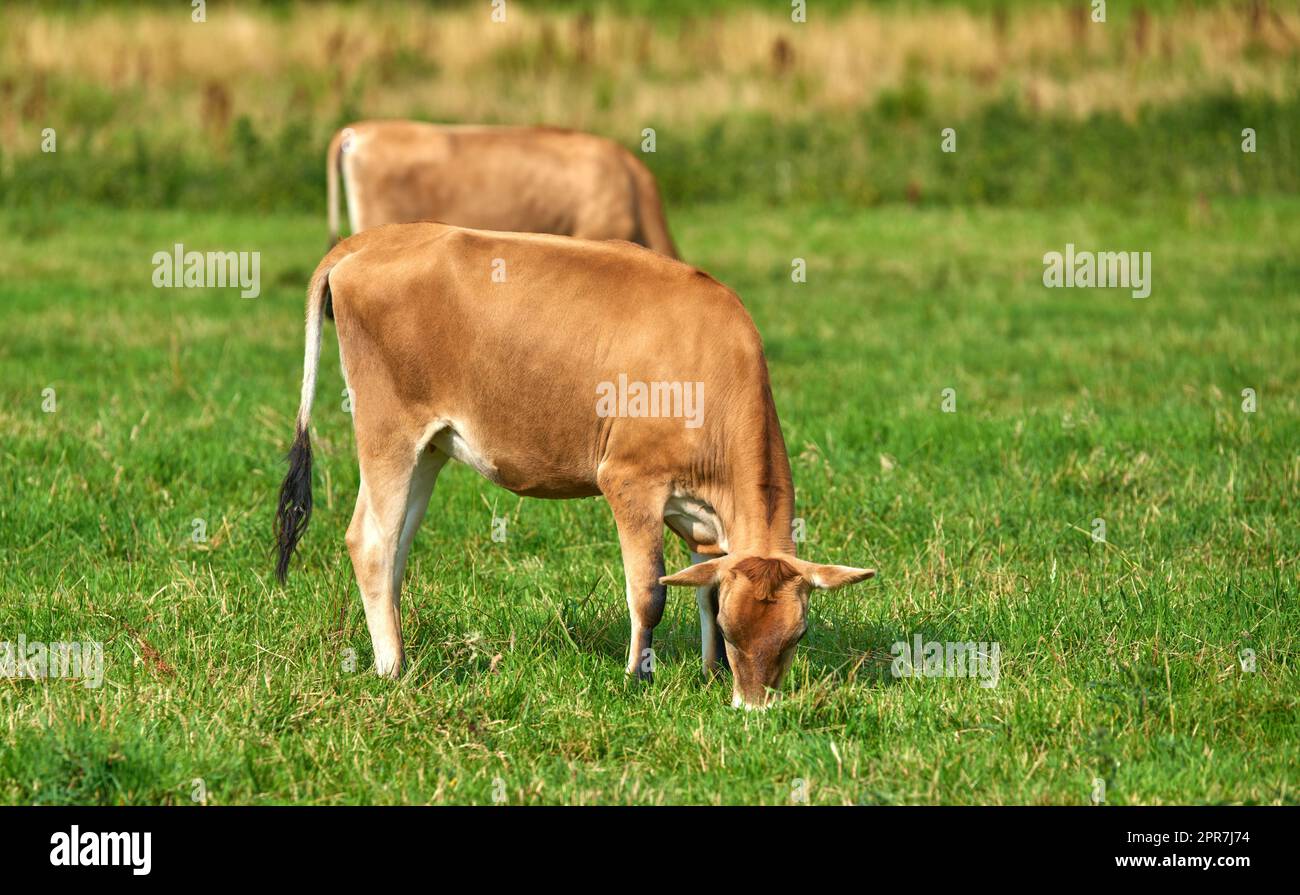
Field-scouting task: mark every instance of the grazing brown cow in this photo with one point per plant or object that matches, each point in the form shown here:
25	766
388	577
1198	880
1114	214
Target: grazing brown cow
564	368
525	179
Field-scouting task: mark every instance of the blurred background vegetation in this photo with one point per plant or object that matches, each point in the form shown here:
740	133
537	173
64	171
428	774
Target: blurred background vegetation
152	109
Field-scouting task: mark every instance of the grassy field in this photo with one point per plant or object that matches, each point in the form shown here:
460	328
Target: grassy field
1120	661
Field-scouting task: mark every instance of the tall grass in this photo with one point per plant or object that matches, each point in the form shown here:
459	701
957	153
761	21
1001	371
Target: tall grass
152	108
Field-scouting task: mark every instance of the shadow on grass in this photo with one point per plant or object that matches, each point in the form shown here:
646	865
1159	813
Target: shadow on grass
594	628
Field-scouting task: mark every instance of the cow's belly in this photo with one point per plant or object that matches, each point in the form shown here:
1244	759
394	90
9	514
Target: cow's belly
547	480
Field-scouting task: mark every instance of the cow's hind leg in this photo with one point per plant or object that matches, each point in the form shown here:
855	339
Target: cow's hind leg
394	492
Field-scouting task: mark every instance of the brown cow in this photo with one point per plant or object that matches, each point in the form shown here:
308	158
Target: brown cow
525	179
564	368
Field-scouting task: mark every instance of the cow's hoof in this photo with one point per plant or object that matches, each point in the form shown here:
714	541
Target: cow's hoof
388	667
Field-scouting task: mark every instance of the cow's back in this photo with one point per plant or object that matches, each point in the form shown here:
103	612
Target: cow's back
540	180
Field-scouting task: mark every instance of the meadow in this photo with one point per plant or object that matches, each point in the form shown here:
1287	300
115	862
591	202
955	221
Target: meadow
1120	660
143	430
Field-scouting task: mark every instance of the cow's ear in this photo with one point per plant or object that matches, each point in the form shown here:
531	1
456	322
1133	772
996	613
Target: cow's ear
831	577
702	574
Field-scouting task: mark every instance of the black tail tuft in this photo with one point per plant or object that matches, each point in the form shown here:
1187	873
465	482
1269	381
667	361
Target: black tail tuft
295	502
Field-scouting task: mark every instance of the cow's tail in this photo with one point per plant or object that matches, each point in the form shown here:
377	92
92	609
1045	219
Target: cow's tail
650	209
294	510
333	158
333	163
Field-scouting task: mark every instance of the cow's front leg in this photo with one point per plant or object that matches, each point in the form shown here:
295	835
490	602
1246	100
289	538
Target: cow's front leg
643	566
638	513
712	646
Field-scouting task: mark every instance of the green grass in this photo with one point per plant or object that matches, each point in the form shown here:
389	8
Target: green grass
1006	155
1119	660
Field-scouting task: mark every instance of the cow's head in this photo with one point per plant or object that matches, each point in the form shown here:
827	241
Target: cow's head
762	611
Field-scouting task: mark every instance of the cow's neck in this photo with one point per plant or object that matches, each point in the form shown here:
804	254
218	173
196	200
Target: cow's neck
752	491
